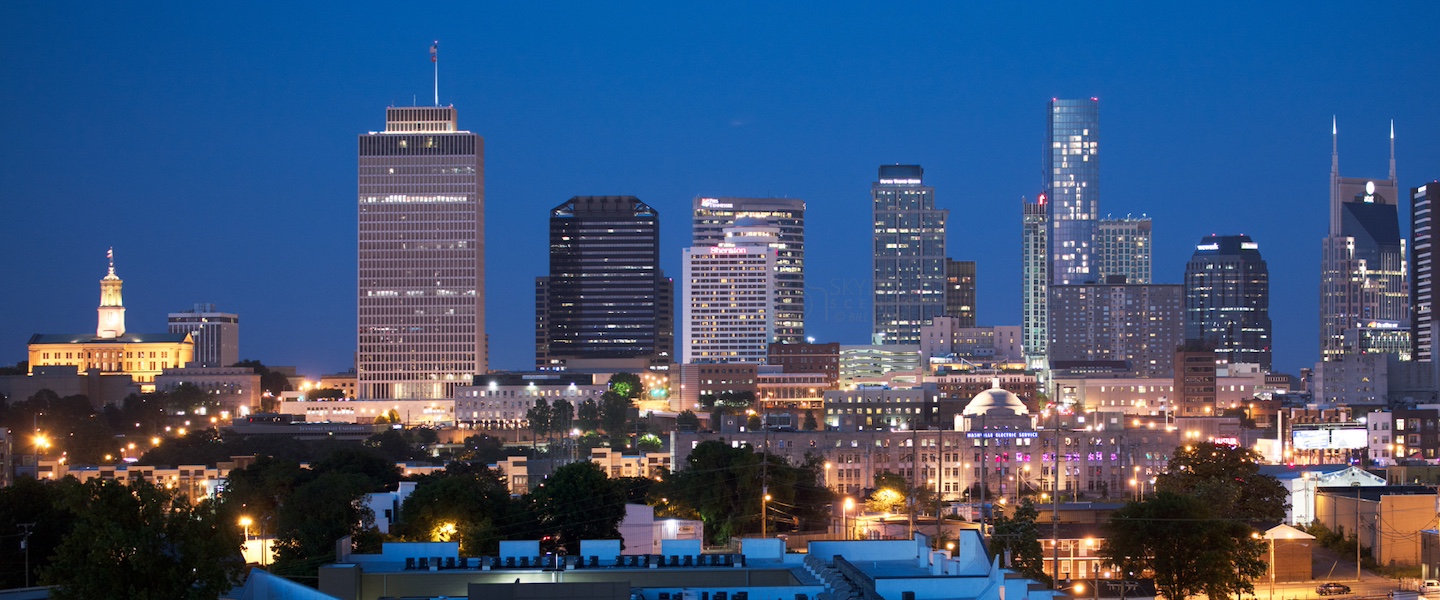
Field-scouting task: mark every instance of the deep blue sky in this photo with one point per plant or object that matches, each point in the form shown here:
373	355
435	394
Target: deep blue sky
214	146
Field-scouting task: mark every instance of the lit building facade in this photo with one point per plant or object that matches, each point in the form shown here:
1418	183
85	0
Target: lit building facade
421	307
909	254
713	215
112	350
1364	295
503	400
1227	299
729	296
1139	324
1035	280
1072	169
605	297
216	334
1122	249
1422	274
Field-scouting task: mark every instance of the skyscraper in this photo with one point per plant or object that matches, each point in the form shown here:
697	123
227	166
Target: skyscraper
216	334
1364	298
729	296
1227	299
713	215
909	254
1035	280
421	256
960	289
605	297
1122	249
1073	189
1422	265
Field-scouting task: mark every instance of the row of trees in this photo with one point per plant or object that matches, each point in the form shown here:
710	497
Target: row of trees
613	414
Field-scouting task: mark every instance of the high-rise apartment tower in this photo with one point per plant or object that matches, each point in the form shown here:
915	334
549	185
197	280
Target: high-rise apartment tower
1072	174
1422	269
1034	280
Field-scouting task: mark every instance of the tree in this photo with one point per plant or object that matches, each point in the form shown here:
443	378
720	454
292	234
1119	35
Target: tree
459	507
721	486
627	385
484	449
687	421
577	502
587	415
649	443
810	423
538	417
753	423
614	412
138	541
889	493
325	394
562	416
1018	536
317	513
272	382
1173	536
1195	532
39	502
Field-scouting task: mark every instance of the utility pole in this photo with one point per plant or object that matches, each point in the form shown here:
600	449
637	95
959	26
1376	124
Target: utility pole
25	544
1357	535
764	483
1055	499
940	481
914	475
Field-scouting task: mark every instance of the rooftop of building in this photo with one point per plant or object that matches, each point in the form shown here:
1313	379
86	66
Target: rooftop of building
90	338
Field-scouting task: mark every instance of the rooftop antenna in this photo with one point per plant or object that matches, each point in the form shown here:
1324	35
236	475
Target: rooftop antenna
1392	150
435	60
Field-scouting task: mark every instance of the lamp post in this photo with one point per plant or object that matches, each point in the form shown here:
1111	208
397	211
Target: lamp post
845	516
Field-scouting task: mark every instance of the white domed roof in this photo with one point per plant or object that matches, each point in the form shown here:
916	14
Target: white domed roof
995	401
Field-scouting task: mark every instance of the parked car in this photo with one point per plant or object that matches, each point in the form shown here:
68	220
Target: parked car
1331	589
1430	586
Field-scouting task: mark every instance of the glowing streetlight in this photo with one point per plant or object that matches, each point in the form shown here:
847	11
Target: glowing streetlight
845	515
246	522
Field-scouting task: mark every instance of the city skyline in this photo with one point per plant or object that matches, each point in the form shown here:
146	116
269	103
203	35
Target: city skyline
1260	122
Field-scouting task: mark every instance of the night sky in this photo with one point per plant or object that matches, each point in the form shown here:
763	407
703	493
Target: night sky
215	146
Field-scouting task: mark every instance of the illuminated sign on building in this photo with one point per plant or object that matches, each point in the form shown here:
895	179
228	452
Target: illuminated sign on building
1002	434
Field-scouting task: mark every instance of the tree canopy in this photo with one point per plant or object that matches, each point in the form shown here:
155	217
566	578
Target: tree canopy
138	541
1017	535
1196	532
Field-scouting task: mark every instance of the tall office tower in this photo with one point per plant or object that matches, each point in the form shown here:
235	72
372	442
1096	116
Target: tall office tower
1364	300
729	296
713	215
1122	248
960	289
1422	274
1139	324
1227	299
1035	280
606	297
421	256
1072	173
216	334
909	254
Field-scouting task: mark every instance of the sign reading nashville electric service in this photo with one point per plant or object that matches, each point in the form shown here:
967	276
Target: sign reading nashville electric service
1002	434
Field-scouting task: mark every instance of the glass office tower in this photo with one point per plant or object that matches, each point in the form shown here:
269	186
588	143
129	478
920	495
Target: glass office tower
1227	299
909	254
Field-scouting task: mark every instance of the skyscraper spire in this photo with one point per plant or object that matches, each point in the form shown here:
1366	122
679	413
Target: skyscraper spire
1392	149
1334	176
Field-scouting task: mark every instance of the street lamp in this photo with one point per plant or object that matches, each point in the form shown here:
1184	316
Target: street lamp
845	515
246	522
